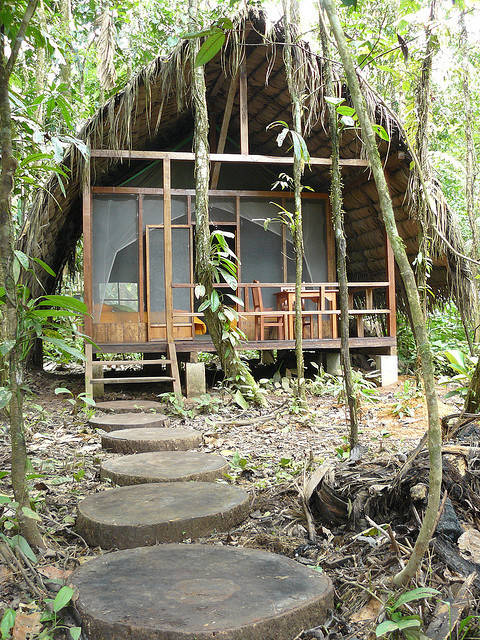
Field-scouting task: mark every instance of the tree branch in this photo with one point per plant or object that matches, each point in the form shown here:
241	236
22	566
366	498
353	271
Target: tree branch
29	11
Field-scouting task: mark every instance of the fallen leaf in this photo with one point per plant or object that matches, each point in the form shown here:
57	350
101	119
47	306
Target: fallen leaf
469	545
54	573
368	612
27	625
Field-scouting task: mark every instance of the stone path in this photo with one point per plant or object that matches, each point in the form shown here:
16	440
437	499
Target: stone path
159	591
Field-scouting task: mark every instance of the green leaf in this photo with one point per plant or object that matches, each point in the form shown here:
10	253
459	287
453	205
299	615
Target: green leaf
6	346
5	397
8	620
59	390
205	305
350	3
381	132
5	499
214	300
240	400
334	101
65	302
385	627
22	258
416	594
75	632
235	299
62	598
25	548
345	111
31	514
63	346
210	48
45	266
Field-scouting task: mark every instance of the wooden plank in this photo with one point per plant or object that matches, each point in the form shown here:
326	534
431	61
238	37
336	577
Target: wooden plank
141	271
224	130
219	157
88	370
87	252
167	226
140	379
116	363
172	355
243	109
130	332
212	192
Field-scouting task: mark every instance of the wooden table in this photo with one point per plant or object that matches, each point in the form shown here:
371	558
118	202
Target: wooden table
286	302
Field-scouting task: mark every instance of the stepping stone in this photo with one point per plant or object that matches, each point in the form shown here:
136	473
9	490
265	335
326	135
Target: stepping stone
147	439
199	592
115	421
130	406
146	514
164	466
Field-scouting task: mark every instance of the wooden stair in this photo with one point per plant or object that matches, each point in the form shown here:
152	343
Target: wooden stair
95	380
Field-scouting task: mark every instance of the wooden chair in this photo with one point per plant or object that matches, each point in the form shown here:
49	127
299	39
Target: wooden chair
265	321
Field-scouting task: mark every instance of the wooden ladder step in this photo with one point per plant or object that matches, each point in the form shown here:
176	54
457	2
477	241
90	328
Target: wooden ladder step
138	379
109	363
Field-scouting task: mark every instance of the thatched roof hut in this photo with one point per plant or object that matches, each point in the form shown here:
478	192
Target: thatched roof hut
154	112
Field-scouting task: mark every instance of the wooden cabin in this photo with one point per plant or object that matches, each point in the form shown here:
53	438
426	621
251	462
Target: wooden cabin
135	205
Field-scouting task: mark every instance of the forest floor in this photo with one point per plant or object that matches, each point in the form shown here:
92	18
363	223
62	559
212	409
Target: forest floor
271	453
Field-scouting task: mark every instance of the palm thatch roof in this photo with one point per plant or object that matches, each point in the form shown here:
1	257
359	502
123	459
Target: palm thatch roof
154	112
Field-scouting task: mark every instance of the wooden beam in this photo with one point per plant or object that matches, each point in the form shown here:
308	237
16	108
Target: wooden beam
87	251
219	157
224	130
243	109
141	272
330	240
167	227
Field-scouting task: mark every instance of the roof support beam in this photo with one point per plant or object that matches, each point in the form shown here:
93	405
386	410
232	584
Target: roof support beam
224	130
219	157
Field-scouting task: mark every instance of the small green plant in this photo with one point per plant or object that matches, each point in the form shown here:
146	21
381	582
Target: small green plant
62	599
326	384
239	466
78	402
464	366
343	450
401	618
176	405
403	398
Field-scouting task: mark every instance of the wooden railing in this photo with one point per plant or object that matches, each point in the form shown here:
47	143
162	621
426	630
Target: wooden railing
321	307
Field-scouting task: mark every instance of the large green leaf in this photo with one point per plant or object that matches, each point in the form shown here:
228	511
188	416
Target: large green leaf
62	598
5	397
416	594
210	48
63	346
64	302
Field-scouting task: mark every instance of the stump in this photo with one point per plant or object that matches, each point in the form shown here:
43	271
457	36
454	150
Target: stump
116	421
147	439
164	466
147	514
199	592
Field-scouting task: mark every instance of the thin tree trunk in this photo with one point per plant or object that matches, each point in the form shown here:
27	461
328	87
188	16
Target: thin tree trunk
341	243
291	21
235	369
66	67
422	109
40	70
420	330
11	365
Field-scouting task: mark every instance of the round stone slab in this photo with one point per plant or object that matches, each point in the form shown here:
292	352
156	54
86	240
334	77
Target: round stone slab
147	439
146	514
115	421
199	592
164	466
129	406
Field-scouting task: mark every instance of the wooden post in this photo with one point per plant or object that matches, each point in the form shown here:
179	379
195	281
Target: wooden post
243	110
167	222
141	278
88	276
224	130
391	300
330	240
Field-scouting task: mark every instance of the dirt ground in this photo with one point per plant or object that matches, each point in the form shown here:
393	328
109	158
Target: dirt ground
271	453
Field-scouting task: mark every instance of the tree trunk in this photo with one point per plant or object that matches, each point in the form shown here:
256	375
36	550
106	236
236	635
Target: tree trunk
420	330
291	21
11	365
341	243
236	371
422	109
